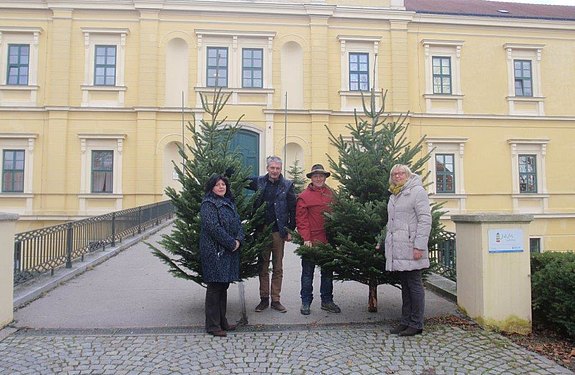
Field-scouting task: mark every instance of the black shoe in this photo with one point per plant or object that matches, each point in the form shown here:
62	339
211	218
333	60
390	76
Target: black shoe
264	304
230	327
330	307
305	309
398	329
410	331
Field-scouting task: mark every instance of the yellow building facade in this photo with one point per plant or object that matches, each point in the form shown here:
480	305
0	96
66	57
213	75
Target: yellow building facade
93	96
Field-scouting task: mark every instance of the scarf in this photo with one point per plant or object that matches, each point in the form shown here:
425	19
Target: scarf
396	189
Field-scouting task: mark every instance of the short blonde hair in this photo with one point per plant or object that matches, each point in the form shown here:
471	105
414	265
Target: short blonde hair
403	168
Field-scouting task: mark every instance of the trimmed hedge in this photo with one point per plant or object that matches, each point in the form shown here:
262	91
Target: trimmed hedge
553	291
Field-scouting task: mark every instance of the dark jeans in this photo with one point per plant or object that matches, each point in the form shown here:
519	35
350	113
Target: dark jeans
216	301
413	296
326	284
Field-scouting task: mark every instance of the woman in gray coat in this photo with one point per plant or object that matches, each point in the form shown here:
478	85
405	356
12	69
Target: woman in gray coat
408	228
220	239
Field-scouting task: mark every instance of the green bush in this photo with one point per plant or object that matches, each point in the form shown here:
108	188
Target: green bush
553	291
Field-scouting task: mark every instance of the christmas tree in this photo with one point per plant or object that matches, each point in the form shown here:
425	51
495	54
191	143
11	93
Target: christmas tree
297	176
358	214
210	153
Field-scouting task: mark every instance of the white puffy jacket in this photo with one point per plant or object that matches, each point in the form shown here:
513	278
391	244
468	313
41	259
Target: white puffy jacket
408	227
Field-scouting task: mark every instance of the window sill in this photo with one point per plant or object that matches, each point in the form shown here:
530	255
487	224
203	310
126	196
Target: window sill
448	196
526	105
530	195
100	196
16	195
103	88
208	90
19	87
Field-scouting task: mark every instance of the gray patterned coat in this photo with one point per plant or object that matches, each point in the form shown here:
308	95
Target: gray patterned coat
220	229
408	227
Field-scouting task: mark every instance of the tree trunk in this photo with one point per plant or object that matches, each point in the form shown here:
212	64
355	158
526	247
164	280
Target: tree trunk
372	304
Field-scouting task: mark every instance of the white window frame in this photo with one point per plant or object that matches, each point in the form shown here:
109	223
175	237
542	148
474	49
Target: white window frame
26	142
443	48
455	146
537	147
104	142
236	41
19	35
533	53
104	36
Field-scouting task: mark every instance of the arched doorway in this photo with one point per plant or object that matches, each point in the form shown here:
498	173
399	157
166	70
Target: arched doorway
247	143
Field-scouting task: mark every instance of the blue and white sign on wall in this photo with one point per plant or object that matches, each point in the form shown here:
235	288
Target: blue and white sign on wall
506	240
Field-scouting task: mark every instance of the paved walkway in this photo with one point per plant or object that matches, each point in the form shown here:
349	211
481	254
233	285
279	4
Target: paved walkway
128	315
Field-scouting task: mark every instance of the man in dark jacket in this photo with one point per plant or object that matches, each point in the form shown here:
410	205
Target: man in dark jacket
279	195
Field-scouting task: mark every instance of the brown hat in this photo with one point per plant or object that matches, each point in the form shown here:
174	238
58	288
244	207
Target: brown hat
318	168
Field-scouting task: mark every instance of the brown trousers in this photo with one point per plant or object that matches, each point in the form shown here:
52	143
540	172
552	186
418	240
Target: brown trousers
276	251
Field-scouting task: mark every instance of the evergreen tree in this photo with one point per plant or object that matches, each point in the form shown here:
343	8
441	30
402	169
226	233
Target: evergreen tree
297	175
358	217
210	154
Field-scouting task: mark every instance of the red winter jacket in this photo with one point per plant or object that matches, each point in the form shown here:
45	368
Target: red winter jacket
310	206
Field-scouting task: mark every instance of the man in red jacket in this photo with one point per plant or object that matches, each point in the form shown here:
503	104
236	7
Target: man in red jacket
310	206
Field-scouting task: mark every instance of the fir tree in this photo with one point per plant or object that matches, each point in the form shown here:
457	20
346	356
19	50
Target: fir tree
296	174
358	217
210	154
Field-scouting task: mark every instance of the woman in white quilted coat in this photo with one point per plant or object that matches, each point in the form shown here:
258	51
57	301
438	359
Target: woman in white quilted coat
408	228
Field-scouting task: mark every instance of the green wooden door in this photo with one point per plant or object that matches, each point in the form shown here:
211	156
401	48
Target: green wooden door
247	143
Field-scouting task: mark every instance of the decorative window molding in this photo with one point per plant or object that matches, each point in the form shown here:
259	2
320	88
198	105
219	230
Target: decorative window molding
529	202
236	42
356	45
19	95
443	102
100	142
532	104
455	147
94	95
26	142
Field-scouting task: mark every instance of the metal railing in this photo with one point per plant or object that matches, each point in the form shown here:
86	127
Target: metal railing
442	257
42	250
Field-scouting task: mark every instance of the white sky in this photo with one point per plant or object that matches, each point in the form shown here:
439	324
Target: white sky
553	2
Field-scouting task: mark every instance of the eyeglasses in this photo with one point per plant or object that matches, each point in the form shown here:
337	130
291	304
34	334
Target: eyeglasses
397	173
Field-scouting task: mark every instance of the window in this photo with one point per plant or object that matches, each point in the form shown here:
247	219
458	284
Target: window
102	171
358	71
444	173
13	171
535	245
217	67
523	81
524	94
442	59
18	64
105	66
527	174
252	67
446	167
441	75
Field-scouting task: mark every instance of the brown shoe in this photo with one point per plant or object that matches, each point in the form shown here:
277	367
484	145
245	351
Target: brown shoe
218	333
264	304
231	327
276	305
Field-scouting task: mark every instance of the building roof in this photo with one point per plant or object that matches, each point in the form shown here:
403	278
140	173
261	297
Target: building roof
491	9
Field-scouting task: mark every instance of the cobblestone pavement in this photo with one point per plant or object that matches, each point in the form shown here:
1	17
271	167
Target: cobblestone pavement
341	349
